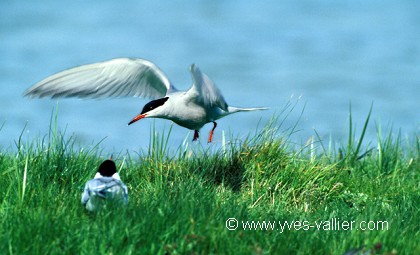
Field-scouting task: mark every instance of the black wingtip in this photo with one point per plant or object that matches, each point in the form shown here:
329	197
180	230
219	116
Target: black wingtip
27	93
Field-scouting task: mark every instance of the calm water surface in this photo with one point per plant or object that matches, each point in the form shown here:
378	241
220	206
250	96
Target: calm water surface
318	54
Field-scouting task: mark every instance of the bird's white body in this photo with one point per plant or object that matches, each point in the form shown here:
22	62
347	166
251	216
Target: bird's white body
102	189
201	104
183	109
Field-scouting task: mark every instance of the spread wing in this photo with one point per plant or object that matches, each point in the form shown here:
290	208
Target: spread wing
121	77
207	91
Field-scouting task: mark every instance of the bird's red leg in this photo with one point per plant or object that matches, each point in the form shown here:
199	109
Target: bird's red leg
195	135
211	132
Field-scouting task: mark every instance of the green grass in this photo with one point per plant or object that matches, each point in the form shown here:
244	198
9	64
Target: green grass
179	202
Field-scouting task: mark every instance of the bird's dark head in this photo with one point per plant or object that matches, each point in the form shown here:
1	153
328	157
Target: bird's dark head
107	168
151	109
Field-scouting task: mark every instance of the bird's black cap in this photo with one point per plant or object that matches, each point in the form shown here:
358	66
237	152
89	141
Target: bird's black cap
107	168
154	104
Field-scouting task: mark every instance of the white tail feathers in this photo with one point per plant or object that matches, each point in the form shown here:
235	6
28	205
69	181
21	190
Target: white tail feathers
232	109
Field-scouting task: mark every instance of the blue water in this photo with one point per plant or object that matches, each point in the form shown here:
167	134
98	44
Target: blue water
320	54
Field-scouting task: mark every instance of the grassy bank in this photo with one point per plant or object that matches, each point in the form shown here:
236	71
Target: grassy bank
180	202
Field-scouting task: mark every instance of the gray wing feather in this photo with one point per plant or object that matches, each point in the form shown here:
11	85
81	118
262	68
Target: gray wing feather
209	94
104	187
121	77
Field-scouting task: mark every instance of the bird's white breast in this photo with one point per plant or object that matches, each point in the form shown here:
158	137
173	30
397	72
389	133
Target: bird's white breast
187	112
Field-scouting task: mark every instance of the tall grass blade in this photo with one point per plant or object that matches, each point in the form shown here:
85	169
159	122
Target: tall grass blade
25	173
350	138
359	144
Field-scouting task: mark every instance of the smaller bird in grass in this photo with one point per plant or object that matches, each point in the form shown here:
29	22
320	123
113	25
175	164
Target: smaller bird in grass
106	186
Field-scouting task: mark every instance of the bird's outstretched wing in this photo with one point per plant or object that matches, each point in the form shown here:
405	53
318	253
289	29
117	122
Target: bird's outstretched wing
208	93
121	77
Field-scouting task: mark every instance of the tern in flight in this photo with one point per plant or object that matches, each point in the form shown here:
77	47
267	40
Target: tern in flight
125	77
